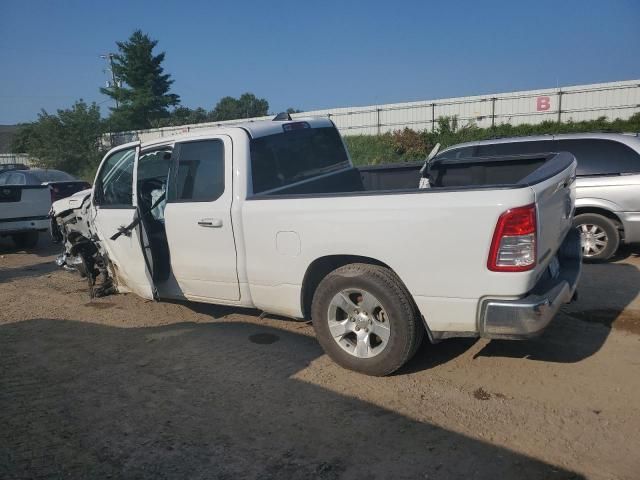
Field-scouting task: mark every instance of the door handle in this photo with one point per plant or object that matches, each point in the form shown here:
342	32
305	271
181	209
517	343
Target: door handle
210	223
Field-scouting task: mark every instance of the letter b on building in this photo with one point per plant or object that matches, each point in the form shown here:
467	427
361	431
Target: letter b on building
543	104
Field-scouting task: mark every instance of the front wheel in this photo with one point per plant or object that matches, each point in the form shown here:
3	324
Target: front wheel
599	236
365	319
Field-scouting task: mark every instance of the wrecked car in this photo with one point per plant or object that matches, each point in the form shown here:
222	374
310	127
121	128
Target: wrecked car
70	226
273	215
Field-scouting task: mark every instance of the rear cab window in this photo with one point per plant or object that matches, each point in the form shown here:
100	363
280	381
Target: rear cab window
15	178
295	155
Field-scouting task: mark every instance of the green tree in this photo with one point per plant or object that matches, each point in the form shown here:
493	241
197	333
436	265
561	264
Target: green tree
247	106
68	140
291	110
186	116
142	88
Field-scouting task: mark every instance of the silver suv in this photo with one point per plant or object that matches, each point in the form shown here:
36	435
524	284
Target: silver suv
608	184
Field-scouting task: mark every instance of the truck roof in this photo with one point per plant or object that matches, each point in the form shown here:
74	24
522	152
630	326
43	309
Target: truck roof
255	129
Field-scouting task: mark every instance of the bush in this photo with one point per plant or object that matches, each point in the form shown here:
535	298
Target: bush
409	145
372	150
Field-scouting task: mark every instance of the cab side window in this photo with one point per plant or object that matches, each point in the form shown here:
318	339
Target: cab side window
198	172
114	185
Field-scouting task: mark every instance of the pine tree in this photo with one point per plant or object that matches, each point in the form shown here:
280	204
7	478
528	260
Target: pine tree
142	87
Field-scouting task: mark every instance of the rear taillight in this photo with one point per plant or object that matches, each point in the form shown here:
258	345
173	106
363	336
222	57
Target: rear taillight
513	248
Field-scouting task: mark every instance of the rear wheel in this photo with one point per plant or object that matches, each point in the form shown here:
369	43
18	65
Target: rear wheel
599	236
365	319
26	240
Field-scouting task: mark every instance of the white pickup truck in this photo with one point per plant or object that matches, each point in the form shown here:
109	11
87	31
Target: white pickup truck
24	213
273	215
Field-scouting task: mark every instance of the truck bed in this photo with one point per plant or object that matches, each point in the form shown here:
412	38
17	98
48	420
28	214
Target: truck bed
511	171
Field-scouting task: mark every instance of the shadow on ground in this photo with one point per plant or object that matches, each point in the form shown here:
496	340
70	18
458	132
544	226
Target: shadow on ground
44	248
211	400
35	270
627	251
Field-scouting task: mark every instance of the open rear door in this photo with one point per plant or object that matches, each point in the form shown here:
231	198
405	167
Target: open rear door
115	217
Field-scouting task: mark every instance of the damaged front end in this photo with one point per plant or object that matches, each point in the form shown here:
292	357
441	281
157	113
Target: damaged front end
71	227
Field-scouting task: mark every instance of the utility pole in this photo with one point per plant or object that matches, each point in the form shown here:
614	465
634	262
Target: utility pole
109	58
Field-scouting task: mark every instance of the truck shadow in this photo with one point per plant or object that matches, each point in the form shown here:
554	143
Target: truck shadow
208	401
581	329
35	270
44	248
428	356
627	251
38	264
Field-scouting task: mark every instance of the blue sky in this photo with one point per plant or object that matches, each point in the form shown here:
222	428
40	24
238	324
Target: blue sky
316	54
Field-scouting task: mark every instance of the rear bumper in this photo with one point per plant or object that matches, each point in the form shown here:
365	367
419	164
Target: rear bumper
529	316
15	225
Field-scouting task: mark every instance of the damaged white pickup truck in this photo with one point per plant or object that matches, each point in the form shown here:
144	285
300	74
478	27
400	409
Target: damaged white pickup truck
273	215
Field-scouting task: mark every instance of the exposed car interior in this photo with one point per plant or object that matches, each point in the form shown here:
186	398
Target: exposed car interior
153	174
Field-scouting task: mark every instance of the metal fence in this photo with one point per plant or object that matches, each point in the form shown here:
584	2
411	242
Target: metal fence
576	103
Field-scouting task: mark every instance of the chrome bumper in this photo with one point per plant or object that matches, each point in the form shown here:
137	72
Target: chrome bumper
529	316
11	227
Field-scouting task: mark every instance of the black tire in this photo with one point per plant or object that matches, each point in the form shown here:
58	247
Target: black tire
608	226
26	240
406	331
82	268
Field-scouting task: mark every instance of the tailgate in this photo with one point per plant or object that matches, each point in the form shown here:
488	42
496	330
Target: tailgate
17	202
555	202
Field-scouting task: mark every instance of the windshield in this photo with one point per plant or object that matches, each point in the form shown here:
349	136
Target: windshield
288	157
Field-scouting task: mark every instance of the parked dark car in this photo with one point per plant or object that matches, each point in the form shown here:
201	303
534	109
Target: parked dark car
61	184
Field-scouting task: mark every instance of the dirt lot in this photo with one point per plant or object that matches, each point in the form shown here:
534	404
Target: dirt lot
123	388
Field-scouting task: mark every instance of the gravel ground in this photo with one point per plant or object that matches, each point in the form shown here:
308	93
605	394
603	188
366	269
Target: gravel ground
124	388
